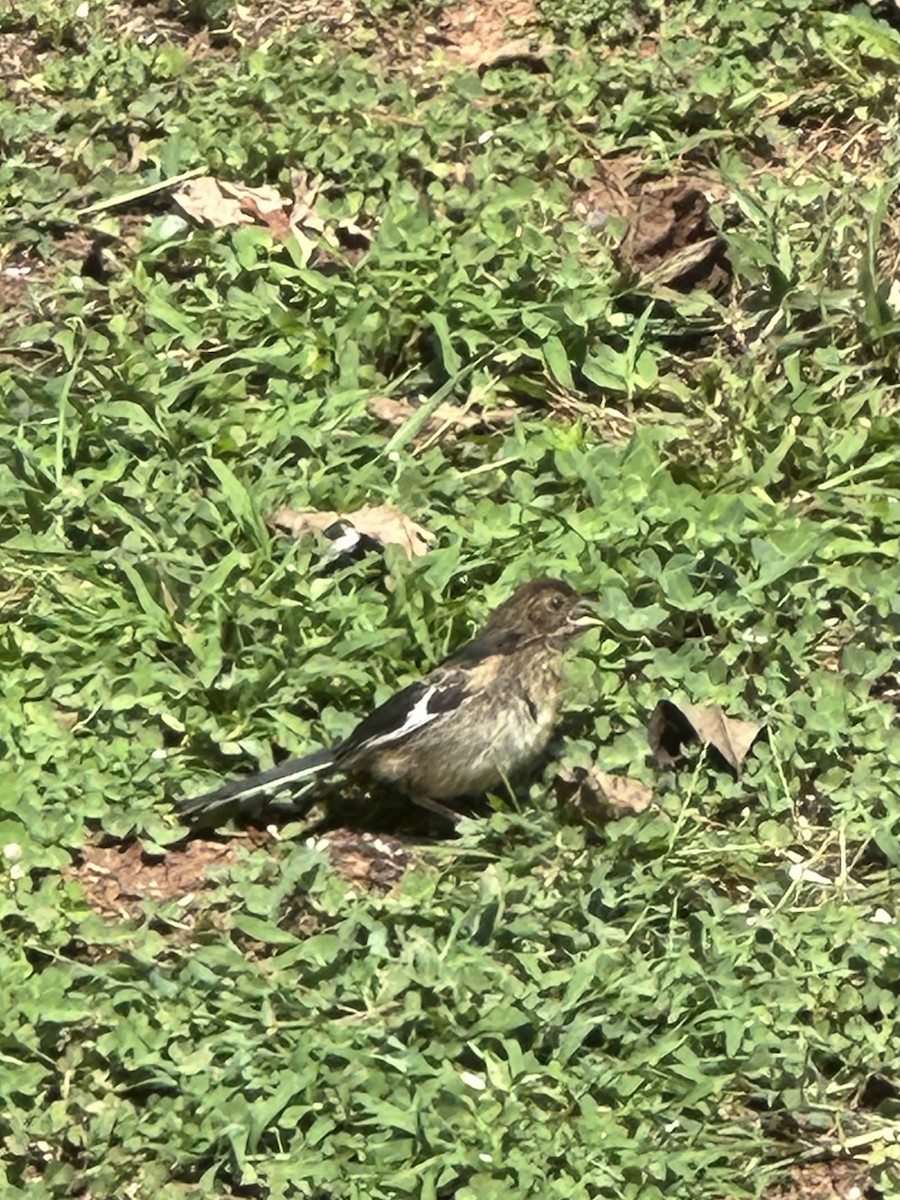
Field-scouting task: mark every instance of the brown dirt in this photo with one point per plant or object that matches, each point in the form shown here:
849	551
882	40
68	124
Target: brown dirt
117	880
25	276
372	861
474	34
22	273
154	23
489	32
845	1179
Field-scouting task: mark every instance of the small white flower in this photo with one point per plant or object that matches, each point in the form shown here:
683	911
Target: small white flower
484	138
160	753
12	852
881	916
485	1158
17	871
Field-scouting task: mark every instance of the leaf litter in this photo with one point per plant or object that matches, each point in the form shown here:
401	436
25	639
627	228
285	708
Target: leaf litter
220	203
447	421
599	797
670	239
674	724
377	525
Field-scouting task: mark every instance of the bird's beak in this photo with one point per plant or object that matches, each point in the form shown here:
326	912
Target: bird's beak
585	614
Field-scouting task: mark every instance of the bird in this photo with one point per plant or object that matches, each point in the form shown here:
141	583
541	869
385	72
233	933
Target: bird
479	719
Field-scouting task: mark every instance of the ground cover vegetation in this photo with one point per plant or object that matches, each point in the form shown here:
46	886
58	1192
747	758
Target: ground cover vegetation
609	292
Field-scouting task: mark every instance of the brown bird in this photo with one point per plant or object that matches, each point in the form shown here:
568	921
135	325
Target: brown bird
482	717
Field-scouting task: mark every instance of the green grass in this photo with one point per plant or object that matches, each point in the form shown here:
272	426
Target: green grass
683	1007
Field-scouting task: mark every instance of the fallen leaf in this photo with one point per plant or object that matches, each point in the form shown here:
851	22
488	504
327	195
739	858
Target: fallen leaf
671	240
380	523
600	797
447	419
673	724
213	202
219	203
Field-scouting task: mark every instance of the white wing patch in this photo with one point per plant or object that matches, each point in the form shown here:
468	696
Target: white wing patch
417	716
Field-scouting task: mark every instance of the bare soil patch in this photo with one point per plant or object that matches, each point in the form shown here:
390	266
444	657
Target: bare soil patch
487	33
118	880
23	273
375	862
258	21
845	1179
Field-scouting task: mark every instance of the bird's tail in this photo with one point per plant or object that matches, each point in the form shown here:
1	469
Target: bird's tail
239	792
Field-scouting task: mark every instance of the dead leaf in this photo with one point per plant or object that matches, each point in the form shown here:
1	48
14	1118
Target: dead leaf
380	523
668	226
671	239
600	797
447	419
673	724
213	202
220	203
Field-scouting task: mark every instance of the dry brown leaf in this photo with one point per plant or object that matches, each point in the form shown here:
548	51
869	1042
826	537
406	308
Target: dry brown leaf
672	240
306	193
675	723
380	523
448	419
219	203
213	202
600	797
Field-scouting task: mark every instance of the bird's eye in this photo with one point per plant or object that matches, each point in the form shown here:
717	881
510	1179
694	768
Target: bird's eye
557	601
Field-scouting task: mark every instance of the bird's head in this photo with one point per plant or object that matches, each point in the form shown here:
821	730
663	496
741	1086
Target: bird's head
547	608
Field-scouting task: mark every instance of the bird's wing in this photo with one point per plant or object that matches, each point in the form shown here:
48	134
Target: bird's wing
403	713
237	793
488	644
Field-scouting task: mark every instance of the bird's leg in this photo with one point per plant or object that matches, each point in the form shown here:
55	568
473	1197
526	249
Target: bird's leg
436	807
